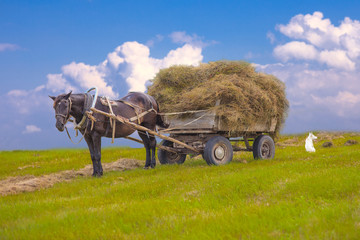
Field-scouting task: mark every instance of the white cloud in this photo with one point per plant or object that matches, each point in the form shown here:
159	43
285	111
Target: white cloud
27	101
129	63
314	29
8	47
335	46
337	58
31	129
140	67
271	37
320	66
88	76
17	93
183	38
314	90
343	104
186	55
57	83
297	50
157	38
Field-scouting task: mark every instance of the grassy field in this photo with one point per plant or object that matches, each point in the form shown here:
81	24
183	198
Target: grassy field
297	195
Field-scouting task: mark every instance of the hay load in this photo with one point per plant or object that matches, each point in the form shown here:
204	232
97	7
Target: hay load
246	96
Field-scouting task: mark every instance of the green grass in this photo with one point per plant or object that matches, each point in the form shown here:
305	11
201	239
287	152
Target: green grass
297	195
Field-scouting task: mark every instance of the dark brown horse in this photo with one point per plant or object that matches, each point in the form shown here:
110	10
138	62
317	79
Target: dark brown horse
130	106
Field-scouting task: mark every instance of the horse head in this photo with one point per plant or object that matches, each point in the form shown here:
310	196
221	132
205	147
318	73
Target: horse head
62	107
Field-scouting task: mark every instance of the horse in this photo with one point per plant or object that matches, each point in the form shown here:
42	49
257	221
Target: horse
309	146
131	106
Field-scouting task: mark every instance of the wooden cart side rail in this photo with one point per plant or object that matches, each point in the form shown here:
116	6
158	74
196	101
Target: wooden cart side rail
141	128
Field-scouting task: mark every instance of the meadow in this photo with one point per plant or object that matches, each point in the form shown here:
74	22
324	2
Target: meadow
296	195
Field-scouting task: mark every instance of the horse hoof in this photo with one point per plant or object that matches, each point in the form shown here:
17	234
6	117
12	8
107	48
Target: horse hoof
96	174
152	166
146	168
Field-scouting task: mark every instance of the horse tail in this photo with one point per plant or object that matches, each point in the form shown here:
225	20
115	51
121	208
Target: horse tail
159	119
160	122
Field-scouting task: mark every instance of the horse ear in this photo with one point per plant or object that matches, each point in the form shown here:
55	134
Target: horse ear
68	95
52	97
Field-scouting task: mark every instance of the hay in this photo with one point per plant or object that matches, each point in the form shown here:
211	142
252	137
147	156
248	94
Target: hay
29	183
246	97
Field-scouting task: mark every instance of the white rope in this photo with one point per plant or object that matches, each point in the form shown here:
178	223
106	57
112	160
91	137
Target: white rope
112	121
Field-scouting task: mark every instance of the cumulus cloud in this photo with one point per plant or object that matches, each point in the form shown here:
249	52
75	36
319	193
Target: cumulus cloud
296	50
31	129
320	32
320	66
316	38
130	64
87	76
8	47
337	59
57	83
130	61
139	67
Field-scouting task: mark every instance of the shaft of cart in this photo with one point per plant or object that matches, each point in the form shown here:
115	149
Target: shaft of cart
142	128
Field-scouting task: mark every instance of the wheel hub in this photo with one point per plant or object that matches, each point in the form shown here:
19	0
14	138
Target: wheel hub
219	152
265	150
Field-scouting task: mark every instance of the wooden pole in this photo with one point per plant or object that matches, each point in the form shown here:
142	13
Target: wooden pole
157	145
141	128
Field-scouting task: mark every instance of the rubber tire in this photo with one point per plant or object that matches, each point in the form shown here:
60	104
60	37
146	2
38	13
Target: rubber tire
264	147
212	145
255	146
166	157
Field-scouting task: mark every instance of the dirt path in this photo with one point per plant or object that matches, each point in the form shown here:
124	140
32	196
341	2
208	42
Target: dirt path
15	185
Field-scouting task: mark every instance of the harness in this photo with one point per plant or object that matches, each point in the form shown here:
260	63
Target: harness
89	103
139	111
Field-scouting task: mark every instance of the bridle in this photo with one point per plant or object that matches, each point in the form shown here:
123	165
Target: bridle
82	124
67	116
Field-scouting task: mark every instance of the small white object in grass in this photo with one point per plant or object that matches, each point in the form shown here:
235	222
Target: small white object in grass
309	146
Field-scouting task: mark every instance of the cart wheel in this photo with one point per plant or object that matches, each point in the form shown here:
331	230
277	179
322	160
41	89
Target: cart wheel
218	151
264	147
166	157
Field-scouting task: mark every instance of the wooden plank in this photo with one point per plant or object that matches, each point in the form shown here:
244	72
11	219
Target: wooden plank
207	121
141	128
200	120
187	131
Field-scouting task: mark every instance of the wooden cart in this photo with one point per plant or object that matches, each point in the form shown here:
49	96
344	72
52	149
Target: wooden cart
203	132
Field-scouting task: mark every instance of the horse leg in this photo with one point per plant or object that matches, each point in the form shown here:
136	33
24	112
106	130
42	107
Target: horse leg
153	149
146	141
98	170
90	144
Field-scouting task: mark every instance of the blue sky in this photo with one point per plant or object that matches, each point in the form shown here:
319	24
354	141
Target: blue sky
49	47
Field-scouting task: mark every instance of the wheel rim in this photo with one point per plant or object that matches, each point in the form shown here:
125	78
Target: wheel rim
219	153
265	150
173	157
